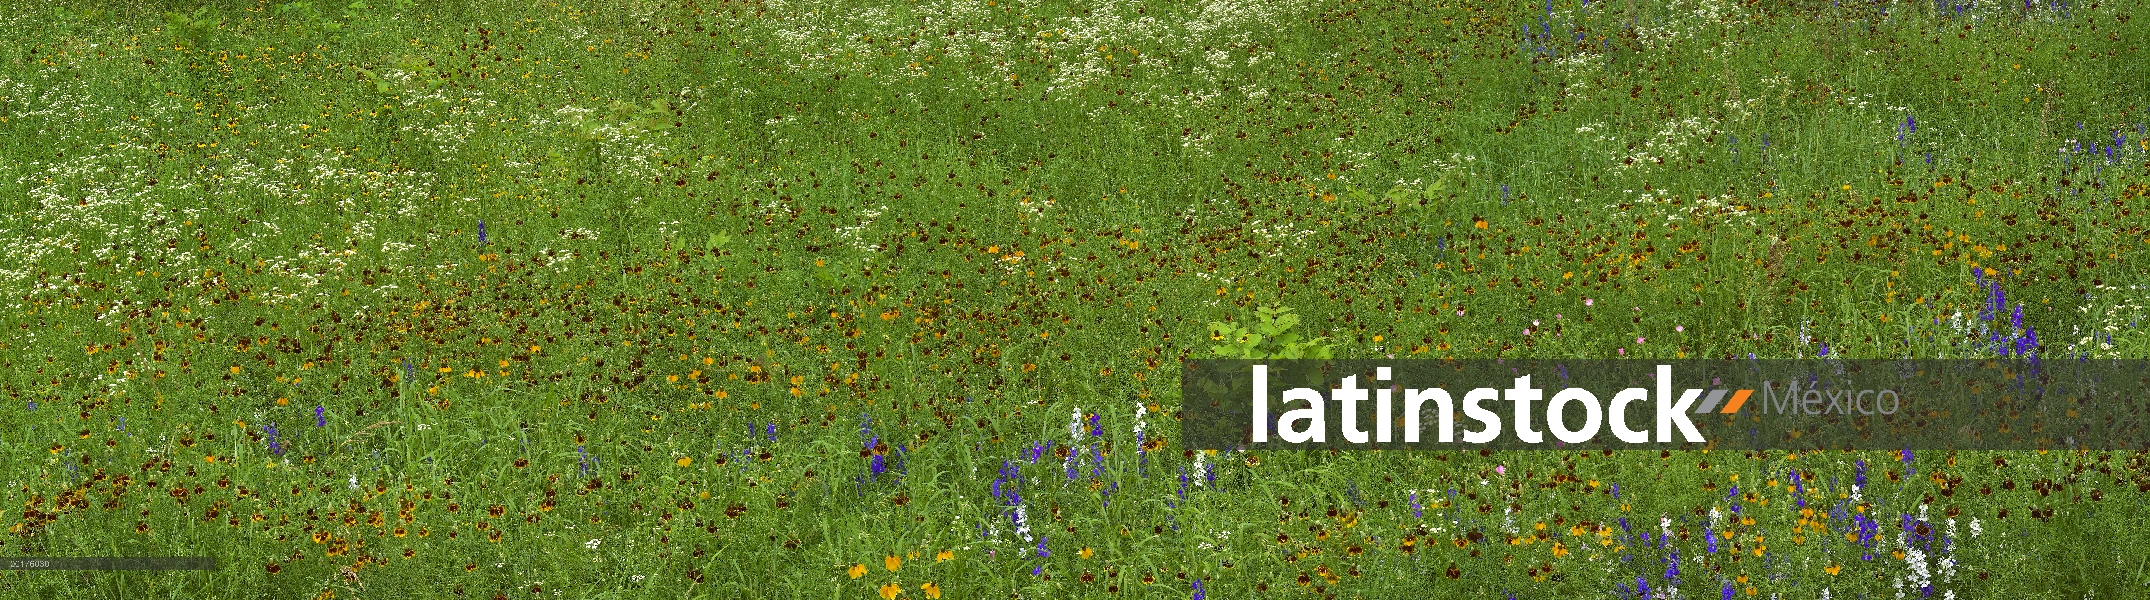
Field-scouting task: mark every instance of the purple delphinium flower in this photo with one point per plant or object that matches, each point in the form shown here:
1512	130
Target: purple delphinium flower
1728	590
1710	539
1418	511
772	432
1042	552
1911	532
1858	474
1199	593
320	416
481	232
880	464
1868	529
274	447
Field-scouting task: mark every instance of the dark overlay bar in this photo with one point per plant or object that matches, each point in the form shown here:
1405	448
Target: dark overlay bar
108	563
1739	404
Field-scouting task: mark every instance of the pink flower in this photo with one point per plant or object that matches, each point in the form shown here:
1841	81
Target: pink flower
1588	302
1623	352
1502	469
1638	339
1680	328
1526	331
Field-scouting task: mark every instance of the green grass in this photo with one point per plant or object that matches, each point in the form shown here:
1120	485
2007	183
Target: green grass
946	226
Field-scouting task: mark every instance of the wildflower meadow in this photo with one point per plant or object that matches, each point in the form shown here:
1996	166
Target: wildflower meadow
777	299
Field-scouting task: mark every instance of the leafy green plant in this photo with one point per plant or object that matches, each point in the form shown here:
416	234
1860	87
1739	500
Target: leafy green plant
192	28
307	12
1405	194
380	84
1270	337
634	117
69	20
304	12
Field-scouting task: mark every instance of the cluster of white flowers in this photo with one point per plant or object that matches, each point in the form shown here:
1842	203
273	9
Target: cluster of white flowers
1212	40
855	233
1022	523
447	120
1281	234
2109	314
91	201
1690	19
1075	428
1667	207
1668	144
625	148
1140	412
